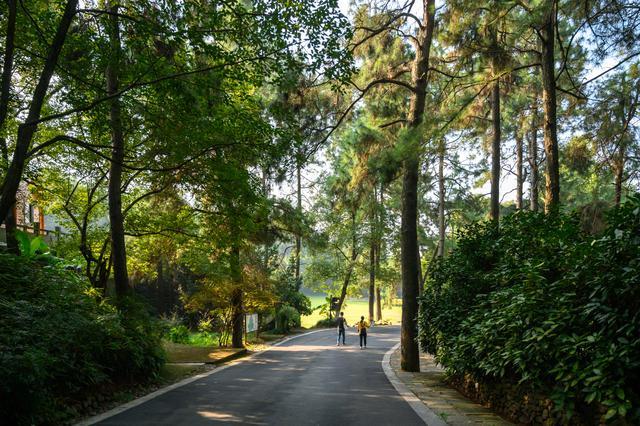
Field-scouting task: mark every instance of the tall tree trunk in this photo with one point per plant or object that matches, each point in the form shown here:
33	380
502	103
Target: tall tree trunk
372	255
267	245
237	320
372	276
27	129
552	175
495	144
441	198
116	218
299	207
378	250
352	262
409	359
533	158
619	174
378	299
7	72
519	156
5	94
620	156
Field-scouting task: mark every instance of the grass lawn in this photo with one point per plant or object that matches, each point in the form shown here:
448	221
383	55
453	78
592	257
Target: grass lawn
353	309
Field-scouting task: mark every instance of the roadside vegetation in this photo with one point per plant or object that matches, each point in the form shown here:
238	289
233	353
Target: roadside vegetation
174	173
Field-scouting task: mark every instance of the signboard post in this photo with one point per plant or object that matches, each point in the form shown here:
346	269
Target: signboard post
334	306
251	322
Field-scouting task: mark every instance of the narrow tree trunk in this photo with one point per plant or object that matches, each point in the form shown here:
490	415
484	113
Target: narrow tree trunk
352	262
372	275
441	198
237	320
5	94
378	250
533	158
27	130
347	279
552	175
409	359
299	207
620	156
372	253
116	218
619	175
495	153
7	72
378	304
519	174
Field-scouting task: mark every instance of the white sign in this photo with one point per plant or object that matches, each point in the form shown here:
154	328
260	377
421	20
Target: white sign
251	322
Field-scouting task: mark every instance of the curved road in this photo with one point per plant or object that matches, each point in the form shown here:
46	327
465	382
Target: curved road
305	381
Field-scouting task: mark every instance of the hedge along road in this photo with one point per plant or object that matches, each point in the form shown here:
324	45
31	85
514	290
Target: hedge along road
305	381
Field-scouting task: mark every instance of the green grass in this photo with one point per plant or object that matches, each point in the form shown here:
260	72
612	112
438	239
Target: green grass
203	339
353	310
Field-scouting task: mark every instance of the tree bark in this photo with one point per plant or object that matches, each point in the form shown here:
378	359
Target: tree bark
352	262
441	198
116	218
27	129
299	207
7	71
619	174
552	174
372	276
519	154
372	254
237	320
409	360
378	249
533	158
495	152
5	94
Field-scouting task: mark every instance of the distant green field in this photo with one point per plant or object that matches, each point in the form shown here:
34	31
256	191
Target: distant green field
353	310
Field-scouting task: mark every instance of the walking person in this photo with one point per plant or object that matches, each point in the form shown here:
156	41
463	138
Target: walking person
342	323
362	332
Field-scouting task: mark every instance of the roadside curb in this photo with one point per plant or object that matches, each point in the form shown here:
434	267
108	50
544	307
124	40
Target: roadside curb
427	415
235	360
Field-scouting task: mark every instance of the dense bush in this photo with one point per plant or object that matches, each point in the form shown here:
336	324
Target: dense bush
541	303
178	334
327	322
58	341
287	317
288	292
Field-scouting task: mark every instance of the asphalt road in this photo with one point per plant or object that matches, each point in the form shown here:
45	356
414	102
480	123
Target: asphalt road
306	381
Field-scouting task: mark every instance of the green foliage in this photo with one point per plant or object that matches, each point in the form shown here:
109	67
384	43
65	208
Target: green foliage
30	247
544	304
178	334
326	322
287	317
58	340
287	290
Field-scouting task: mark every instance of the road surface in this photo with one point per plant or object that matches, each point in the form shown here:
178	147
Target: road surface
305	381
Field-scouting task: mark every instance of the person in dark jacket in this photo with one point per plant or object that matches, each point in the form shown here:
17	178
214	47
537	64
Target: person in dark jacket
342	324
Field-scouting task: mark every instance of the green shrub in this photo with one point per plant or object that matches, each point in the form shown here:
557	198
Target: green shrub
58	340
327	322
178	334
287	317
540	303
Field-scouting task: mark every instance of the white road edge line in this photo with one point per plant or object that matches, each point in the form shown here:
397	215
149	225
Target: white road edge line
143	399
429	417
